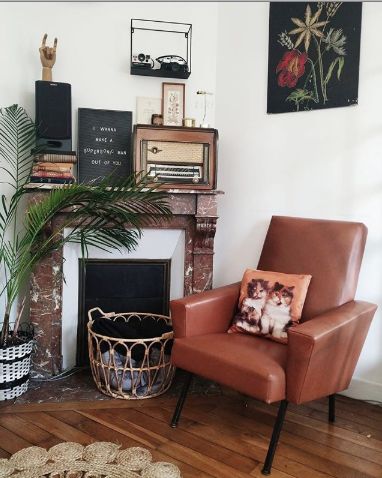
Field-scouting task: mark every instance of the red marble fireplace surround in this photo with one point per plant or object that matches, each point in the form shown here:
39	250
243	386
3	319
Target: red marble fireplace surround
193	211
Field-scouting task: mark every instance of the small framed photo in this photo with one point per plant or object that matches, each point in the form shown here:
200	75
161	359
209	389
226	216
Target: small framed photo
146	107
173	103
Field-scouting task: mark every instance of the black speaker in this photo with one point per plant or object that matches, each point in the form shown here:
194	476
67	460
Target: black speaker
54	115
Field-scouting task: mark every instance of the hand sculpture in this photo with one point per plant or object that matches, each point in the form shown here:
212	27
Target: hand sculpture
48	58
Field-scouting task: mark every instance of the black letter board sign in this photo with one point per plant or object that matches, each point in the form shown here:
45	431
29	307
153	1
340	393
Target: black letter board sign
104	144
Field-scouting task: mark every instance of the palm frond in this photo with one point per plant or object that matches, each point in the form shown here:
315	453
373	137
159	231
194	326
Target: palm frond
109	215
8	212
106	239
17	138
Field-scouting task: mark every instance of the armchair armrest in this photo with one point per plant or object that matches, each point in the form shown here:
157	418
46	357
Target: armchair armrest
205	313
323	352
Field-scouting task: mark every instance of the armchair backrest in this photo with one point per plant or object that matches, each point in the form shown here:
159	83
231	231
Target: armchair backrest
331	251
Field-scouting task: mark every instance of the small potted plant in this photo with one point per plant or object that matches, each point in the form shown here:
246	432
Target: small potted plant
97	215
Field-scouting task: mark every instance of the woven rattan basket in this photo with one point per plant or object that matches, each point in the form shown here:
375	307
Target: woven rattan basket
116	373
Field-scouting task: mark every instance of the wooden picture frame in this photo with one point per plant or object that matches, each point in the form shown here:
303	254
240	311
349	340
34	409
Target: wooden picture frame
173	103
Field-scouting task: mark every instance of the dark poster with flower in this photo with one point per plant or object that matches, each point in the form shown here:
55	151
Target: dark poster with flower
313	55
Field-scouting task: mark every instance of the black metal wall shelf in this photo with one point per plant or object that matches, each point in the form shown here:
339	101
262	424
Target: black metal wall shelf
136	70
160	38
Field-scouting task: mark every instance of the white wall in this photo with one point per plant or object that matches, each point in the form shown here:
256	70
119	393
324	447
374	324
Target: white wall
324	164
93	51
93	54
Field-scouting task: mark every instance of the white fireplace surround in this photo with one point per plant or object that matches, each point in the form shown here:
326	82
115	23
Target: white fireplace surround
154	244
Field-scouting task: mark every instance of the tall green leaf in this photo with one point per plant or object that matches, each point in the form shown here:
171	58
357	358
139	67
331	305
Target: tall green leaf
340	60
109	215
17	138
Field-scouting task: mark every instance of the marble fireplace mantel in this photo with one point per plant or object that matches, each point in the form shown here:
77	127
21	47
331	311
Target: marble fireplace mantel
193	211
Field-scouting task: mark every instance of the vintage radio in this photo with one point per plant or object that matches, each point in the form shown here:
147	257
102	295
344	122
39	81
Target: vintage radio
178	157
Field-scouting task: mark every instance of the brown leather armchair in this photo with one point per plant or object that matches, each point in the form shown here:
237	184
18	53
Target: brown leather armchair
329	338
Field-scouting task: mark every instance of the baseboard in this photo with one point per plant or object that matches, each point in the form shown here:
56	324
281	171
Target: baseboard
364	390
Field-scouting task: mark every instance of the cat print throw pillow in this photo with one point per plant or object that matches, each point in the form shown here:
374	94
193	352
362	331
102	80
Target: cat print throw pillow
270	303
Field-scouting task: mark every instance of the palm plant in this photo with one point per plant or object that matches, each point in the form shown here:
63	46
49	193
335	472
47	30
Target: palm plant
109	215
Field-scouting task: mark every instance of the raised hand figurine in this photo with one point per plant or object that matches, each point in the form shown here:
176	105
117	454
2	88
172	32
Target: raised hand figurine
48	58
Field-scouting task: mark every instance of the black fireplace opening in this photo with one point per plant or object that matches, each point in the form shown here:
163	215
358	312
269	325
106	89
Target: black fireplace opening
127	285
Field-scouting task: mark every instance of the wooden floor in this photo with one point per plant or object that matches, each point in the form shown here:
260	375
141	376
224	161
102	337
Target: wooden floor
219	436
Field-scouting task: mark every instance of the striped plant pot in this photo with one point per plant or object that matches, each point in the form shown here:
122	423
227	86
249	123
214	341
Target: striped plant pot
15	363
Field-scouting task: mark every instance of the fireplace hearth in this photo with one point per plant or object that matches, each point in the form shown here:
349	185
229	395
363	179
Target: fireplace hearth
194	212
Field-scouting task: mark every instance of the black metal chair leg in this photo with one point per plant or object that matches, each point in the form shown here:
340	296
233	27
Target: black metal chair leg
332	408
181	399
275	438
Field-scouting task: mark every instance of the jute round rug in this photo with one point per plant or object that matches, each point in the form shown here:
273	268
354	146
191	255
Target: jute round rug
98	460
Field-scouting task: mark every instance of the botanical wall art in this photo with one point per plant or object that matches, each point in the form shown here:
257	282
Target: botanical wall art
173	103
313	55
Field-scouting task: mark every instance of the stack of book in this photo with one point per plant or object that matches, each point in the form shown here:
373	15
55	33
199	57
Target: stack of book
55	167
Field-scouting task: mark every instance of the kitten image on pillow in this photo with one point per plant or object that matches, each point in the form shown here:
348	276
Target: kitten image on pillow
276	316
253	305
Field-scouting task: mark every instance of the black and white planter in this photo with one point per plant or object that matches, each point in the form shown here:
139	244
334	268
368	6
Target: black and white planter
15	364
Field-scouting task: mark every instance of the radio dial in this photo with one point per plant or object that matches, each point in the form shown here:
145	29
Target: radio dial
155	150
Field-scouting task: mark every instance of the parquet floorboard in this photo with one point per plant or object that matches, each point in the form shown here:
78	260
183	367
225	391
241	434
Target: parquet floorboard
10	442
297	415
356	426
29	431
329	449
218	436
166	436
359	407
238	440
336	441
108	432
58	428
4	454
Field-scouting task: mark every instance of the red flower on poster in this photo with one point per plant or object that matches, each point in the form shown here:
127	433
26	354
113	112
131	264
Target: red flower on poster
291	67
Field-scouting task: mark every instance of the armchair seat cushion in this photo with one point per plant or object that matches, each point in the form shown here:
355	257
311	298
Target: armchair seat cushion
249	364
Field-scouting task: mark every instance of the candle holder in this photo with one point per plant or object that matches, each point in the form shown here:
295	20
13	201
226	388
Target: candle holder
204	94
